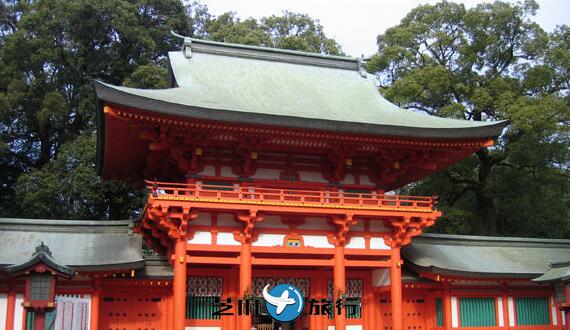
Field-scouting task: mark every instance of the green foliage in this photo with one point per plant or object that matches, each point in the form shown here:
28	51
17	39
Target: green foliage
289	31
489	62
49	52
69	188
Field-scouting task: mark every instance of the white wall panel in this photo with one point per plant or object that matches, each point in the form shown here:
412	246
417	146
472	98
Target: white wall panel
201	237
269	240
317	241
225	238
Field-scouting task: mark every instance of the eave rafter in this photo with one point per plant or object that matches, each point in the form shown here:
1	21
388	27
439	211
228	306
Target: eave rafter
175	146
287	135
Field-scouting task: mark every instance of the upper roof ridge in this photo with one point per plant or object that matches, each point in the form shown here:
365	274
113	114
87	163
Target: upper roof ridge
192	45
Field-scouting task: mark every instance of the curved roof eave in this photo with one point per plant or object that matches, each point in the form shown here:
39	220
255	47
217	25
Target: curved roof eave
115	95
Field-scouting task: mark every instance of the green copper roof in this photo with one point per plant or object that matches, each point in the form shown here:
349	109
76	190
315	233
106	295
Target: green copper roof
482	256
82	245
557	272
258	85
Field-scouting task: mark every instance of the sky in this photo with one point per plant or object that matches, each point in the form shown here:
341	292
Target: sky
355	24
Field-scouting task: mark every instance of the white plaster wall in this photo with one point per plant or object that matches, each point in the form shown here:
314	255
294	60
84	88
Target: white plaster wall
356	243
554	314
311	176
227	220
209	170
365	180
377	226
225	238
269	240
3	310
267	173
377	243
348	179
201	237
454	316
271	221
227	171
317	241
203	219
380	277
316	223
501	313
511	307
19	312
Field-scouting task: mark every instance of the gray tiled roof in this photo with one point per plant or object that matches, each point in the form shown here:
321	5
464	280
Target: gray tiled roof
82	245
482	256
255	85
557	272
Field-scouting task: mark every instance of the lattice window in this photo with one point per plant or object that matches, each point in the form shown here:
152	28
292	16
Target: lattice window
203	293
205	286
354	292
304	284
532	311
477	312
40	286
439	311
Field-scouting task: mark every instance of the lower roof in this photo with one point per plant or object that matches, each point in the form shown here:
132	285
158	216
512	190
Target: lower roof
558	272
483	256
111	245
82	245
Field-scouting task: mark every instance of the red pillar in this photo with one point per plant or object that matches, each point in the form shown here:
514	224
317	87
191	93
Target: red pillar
245	280
369	304
10	311
446	309
95	302
396	289
506	311
39	320
339	286
179	285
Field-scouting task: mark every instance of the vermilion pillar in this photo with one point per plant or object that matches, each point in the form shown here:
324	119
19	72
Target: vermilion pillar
446	309
179	285
10	310
396	289
39	320
339	286
95	302
505	311
245	280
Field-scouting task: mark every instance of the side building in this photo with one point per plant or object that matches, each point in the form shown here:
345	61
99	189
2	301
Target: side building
448	282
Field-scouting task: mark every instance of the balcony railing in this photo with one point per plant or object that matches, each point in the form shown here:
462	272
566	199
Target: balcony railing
287	197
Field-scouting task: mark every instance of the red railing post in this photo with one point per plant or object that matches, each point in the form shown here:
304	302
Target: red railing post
322	197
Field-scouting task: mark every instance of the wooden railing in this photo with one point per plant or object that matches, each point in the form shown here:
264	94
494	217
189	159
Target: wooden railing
286	197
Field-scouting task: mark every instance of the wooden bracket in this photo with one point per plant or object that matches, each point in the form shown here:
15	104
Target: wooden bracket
405	229
248	219
341	237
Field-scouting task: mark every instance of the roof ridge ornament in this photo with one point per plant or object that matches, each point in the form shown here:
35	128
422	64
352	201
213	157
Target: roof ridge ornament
187	46
362	61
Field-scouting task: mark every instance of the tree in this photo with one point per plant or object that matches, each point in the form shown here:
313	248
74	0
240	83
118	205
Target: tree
289	31
489	62
49	52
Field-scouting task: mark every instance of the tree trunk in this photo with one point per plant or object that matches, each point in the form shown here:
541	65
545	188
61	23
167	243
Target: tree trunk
486	212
